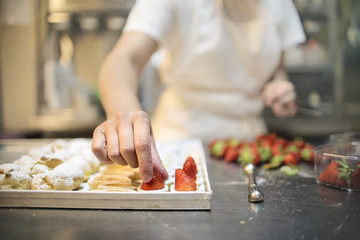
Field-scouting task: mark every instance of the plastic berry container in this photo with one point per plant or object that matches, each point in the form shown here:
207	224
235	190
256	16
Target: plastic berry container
337	164
345	137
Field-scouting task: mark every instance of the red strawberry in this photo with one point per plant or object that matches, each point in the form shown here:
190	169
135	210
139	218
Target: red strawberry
355	177
261	137
184	182
275	162
277	149
217	148
291	159
156	183
337	173
249	155
231	154
233	142
264	150
293	149
190	167
299	142
271	137
307	153
281	142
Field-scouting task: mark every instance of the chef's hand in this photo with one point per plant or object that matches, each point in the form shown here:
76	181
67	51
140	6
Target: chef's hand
127	139
280	97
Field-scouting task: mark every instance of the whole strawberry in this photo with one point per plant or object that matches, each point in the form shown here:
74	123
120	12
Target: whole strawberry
299	142
275	162
249	155
337	173
307	154
291	159
156	183
355	177
264	150
217	148
184	182
231	154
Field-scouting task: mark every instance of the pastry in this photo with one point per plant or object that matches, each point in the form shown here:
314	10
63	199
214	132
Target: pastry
80	163
52	160
76	174
52	180
16	180
23	160
33	168
9	167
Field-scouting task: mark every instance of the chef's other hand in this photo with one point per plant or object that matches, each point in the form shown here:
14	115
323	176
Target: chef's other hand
280	97
127	139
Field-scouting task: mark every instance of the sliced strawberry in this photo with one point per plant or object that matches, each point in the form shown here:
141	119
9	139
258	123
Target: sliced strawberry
184	182
156	183
355	177
337	173
190	168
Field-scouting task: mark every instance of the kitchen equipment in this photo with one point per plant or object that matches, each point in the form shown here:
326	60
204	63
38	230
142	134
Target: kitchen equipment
337	164
255	195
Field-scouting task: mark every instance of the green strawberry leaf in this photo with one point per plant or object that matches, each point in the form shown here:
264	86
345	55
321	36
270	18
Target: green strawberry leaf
290	170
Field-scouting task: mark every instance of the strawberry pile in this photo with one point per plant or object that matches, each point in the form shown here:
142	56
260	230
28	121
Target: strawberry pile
270	150
339	173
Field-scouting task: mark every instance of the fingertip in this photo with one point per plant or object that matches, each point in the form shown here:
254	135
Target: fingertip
146	178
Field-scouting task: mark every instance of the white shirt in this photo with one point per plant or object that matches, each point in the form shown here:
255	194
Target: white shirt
218	56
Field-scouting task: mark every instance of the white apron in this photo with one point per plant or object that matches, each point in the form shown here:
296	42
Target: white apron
215	77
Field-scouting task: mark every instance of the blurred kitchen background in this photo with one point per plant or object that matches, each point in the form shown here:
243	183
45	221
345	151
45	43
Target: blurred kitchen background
51	52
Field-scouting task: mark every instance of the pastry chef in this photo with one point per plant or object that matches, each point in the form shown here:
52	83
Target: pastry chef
222	64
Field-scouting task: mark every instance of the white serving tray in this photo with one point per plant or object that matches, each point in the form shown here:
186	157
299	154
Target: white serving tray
82	199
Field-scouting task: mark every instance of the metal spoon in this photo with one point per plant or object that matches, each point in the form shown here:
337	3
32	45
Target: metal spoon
255	195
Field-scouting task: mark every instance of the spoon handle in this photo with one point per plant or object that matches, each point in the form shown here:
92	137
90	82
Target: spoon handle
255	194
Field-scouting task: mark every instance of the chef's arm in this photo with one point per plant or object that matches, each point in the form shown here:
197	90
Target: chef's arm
125	137
279	93
118	80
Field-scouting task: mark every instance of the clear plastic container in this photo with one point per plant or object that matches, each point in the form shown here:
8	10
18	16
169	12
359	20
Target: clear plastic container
337	164
346	136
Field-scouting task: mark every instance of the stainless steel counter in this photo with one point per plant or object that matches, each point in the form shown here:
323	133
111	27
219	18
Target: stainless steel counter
294	208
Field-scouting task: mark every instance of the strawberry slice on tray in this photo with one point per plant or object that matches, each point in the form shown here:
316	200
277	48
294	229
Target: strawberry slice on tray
156	183
184	182
190	167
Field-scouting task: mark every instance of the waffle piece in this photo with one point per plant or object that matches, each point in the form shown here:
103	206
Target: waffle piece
114	177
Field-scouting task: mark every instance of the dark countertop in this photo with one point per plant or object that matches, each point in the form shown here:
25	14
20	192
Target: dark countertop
294	208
